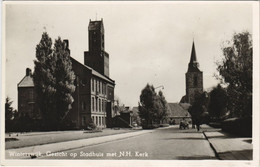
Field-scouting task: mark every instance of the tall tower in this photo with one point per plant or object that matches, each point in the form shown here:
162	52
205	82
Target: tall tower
97	58
194	78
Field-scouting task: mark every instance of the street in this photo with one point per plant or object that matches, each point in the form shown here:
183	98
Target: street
162	144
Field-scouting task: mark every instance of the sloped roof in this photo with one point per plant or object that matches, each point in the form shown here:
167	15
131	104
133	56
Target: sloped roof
178	110
27	81
193	57
185	106
94	72
193	64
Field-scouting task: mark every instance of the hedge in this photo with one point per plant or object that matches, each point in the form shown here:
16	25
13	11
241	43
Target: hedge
238	126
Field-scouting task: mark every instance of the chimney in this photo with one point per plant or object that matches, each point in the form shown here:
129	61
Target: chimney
28	72
66	41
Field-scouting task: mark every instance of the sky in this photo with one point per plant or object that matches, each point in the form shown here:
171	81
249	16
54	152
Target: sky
148	42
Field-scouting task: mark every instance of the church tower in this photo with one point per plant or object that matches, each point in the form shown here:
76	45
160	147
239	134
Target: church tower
194	78
97	58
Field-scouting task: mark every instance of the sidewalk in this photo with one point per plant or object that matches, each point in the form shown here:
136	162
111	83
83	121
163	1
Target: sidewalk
18	140
227	146
41	150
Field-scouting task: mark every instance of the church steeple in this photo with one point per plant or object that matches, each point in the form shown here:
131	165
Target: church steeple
193	64
194	78
193	57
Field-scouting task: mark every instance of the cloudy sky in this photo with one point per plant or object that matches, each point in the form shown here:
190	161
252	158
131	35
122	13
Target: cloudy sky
148	42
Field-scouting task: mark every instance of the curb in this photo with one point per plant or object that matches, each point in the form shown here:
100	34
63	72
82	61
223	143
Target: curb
213	148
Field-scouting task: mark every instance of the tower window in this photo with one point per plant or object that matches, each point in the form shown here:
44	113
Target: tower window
195	81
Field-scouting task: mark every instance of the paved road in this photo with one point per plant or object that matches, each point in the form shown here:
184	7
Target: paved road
162	144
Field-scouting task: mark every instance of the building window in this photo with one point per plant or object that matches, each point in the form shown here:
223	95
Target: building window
92	85
83	120
96	104
100	87
195	81
31	96
99	105
95	85
83	105
93	103
103	105
103	88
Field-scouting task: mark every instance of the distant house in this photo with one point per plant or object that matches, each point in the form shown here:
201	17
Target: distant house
176	113
27	96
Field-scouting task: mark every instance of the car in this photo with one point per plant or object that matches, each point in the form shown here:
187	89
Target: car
184	125
134	124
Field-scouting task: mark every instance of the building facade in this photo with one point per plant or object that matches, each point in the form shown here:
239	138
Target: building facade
94	93
27	96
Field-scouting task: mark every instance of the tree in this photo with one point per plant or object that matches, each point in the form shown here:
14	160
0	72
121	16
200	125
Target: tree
9	114
235	70
199	109
147	110
218	103
44	80
54	81
163	107
64	77
152	106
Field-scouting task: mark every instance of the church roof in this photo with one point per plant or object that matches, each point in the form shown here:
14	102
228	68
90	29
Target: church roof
193	57
27	81
193	64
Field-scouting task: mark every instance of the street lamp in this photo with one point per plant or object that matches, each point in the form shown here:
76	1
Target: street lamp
161	86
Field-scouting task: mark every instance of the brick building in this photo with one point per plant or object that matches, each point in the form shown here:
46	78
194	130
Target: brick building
94	93
194	79
27	96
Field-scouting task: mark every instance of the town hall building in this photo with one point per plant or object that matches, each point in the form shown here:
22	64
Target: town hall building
94	93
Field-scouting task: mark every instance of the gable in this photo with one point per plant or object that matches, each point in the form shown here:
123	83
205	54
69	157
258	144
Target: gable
27	81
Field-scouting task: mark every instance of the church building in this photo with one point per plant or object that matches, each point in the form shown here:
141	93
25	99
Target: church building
194	79
94	93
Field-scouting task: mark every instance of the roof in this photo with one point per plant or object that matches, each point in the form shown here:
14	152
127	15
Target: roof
27	81
193	64
178	110
94	72
174	110
193	57
95	25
